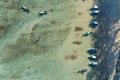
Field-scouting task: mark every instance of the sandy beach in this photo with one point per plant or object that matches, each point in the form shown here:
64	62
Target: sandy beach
56	56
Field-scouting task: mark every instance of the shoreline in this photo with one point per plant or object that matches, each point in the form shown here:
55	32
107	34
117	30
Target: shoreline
108	39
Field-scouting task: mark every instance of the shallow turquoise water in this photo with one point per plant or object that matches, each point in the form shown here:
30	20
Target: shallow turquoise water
20	59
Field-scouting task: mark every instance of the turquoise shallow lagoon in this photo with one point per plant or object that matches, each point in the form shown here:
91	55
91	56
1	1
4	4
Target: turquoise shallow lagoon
54	57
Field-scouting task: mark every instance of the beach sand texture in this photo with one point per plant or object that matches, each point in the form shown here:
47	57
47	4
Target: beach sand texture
61	51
